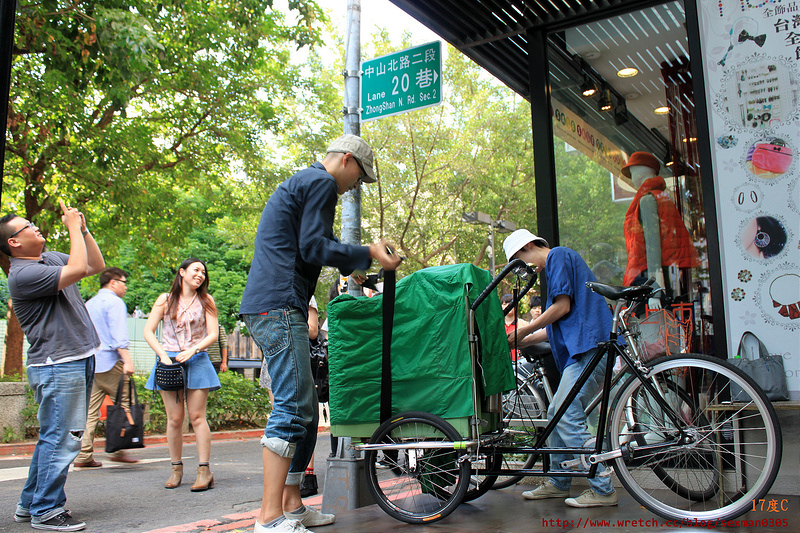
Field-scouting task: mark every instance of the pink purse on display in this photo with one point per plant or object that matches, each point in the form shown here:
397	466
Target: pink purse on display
772	157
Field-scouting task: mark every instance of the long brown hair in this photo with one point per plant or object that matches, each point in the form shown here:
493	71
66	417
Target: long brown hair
177	286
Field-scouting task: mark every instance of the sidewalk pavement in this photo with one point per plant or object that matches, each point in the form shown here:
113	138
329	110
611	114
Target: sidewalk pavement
26	448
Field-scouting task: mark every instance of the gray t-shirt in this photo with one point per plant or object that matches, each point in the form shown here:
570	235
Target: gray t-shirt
55	322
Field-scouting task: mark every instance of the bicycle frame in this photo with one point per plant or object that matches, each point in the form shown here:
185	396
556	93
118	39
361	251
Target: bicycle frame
609	349
664	425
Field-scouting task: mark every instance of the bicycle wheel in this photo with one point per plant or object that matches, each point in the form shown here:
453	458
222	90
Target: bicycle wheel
682	402
525	409
422	484
734	447
480	483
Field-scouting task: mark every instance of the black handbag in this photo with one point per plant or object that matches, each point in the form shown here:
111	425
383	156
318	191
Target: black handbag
767	370
170	377
125	425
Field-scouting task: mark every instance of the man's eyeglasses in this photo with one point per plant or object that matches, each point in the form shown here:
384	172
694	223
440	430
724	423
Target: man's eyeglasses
363	172
124	281
26	226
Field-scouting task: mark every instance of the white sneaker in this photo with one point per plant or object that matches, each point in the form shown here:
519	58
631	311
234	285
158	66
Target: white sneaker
590	498
287	526
544	491
311	517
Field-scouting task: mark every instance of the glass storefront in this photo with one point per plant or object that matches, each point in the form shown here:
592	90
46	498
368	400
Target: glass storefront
627	170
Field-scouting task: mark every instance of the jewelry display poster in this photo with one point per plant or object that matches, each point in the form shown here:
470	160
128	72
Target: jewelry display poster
751	62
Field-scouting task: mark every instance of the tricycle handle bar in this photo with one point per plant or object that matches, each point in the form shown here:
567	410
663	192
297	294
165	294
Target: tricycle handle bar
518	266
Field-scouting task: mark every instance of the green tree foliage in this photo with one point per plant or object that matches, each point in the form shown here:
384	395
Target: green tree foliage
227	274
170	124
586	213
135	112
472	153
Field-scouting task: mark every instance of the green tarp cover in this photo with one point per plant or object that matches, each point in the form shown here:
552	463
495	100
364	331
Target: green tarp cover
431	368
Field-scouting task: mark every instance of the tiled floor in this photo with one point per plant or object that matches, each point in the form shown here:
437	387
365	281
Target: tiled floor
506	511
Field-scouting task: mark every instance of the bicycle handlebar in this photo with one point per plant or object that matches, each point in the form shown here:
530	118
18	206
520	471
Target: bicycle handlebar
521	268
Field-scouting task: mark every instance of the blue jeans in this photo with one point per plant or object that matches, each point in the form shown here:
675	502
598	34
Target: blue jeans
571	431
62	391
291	431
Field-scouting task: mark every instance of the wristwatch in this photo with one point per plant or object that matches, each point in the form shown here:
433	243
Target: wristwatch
197	351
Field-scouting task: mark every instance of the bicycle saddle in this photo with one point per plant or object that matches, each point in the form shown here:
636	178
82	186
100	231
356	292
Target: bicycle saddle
612	292
536	351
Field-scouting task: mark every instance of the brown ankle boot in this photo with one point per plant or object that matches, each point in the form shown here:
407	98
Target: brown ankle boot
174	480
205	479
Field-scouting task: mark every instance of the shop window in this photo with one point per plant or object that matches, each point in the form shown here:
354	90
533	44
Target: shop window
619	86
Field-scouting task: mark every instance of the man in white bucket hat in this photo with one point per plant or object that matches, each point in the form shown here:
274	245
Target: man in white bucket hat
575	320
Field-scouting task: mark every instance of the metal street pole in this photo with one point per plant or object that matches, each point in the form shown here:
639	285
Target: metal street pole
351	201
345	481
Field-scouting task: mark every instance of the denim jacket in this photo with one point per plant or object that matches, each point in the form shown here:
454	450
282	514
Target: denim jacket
294	241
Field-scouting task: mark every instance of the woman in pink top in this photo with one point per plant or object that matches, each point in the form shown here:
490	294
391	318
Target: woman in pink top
190	326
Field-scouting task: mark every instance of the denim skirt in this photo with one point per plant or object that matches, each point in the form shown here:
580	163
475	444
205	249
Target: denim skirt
200	373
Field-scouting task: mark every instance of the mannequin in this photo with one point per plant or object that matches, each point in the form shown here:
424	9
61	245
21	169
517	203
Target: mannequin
655	236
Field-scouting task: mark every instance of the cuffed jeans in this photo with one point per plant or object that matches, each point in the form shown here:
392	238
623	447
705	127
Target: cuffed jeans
571	431
104	383
291	431
62	391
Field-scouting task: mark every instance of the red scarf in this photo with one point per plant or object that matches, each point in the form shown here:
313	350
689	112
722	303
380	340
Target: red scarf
677	248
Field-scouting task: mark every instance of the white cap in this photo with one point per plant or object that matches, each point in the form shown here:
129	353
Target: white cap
515	242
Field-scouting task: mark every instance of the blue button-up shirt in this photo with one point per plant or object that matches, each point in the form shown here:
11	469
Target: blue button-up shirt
589	319
294	240
110	318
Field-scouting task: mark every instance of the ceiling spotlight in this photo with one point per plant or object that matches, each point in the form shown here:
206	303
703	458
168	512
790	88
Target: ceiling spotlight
663	110
627	72
588	89
605	103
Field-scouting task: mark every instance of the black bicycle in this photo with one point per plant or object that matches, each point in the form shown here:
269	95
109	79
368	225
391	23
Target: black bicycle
677	442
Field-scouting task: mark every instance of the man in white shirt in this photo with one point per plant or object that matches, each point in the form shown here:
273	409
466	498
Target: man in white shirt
109	316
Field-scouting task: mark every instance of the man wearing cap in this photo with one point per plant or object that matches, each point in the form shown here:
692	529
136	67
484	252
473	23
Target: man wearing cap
575	320
294	240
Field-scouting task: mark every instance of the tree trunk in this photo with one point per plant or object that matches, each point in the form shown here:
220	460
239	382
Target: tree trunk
14	338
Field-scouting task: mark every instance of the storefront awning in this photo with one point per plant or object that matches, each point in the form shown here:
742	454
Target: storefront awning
495	34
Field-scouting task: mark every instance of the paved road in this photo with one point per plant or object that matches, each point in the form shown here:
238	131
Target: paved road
132	499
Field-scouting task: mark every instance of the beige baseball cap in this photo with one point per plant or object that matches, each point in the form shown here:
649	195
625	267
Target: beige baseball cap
353	144
514	242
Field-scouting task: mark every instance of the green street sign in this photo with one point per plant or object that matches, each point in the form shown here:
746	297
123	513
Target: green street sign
402	81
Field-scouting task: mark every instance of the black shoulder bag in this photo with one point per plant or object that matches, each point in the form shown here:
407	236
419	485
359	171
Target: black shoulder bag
125	426
171	377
